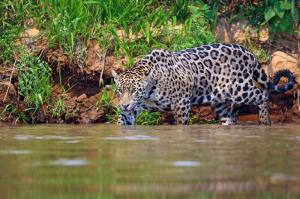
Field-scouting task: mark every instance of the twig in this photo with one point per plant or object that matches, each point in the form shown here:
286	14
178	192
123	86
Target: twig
298	59
13	69
103	63
69	79
298	101
11	74
70	87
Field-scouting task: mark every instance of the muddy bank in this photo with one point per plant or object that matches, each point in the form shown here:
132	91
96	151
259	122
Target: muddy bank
80	81
81	97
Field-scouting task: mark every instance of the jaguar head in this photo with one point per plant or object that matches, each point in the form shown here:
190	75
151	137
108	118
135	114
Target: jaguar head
134	84
132	87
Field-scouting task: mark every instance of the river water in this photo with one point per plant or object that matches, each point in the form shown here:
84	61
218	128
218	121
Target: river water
106	162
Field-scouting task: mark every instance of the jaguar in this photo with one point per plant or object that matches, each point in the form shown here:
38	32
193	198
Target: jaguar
221	75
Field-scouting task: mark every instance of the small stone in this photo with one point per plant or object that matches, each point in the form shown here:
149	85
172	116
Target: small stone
81	98
33	32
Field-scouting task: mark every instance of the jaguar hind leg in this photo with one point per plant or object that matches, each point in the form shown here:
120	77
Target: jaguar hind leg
260	98
264	116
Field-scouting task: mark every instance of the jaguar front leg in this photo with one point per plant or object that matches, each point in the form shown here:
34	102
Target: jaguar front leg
181	111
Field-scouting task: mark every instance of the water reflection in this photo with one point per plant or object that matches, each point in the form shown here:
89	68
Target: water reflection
15	152
186	163
68	162
149	162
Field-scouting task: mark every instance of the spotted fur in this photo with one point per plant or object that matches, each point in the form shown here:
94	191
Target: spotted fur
219	74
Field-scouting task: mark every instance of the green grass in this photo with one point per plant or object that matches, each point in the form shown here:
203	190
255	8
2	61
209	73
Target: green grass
12	111
34	80
59	108
128	27
34	89
148	118
114	116
7	48
105	100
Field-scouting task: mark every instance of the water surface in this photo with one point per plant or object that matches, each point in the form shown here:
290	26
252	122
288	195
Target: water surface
105	161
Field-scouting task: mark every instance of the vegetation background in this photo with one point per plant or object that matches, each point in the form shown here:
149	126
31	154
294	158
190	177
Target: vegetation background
56	55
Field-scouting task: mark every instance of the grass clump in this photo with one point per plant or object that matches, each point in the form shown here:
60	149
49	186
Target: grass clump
14	111
59	108
34	80
7	48
105	100
148	118
114	116
127	27
34	89
197	29
13	20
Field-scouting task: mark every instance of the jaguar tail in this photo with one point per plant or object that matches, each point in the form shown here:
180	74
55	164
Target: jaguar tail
261	77
288	86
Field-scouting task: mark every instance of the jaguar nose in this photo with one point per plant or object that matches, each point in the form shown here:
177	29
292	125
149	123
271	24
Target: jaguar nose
124	106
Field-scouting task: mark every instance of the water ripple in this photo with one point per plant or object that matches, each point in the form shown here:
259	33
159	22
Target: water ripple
16	152
134	137
22	137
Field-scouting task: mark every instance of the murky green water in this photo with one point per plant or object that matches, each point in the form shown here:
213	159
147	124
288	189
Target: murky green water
103	161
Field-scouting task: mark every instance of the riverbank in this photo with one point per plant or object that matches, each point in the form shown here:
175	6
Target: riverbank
56	68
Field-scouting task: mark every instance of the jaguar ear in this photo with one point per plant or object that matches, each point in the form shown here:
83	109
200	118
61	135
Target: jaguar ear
114	74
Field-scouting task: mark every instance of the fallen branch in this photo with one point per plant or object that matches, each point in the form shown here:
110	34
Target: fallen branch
13	69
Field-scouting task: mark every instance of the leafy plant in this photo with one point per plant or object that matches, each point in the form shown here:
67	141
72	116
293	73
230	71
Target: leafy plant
148	118
281	15
278	15
198	35
34	80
